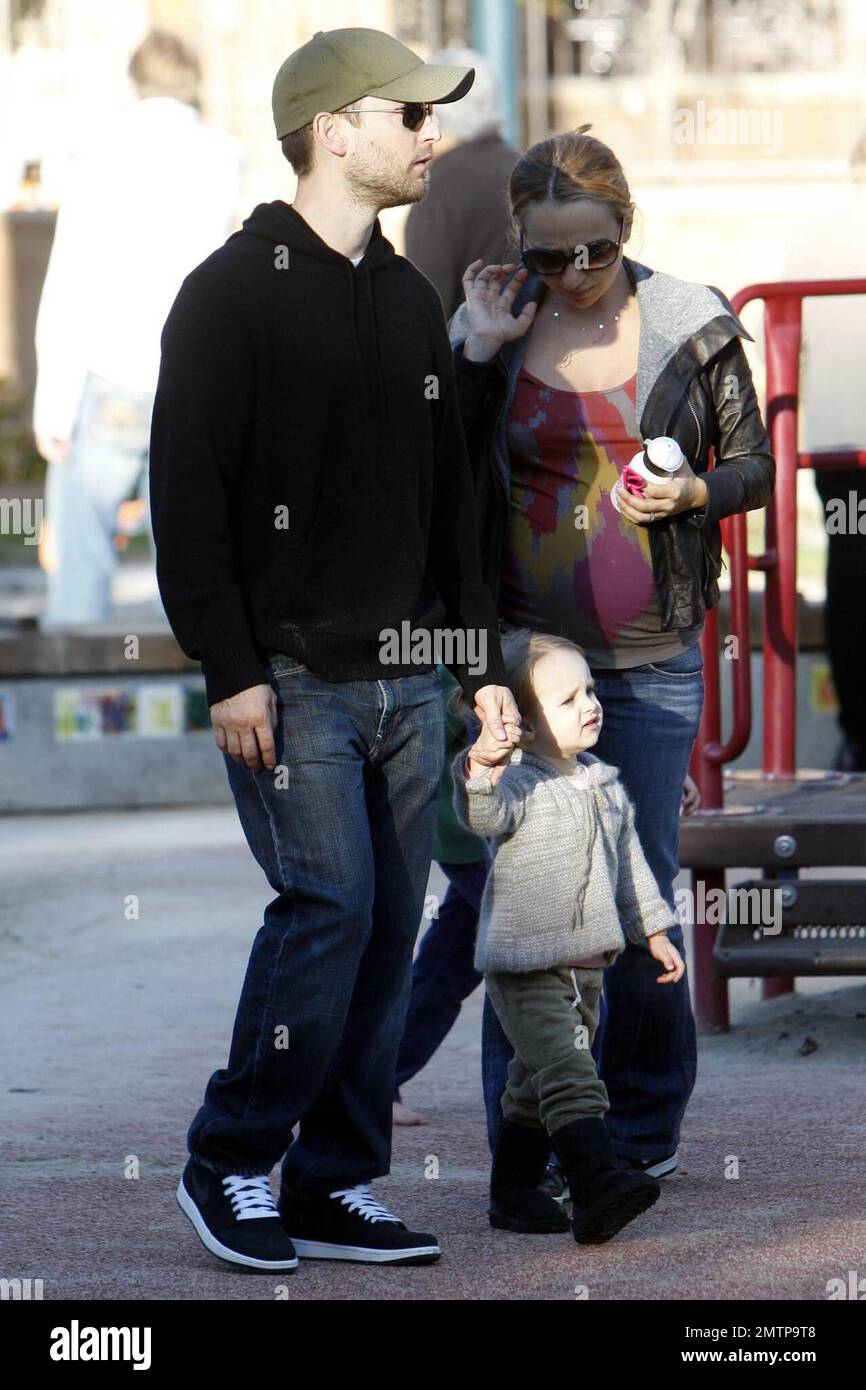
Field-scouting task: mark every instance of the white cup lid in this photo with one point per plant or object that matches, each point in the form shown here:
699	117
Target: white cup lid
664	453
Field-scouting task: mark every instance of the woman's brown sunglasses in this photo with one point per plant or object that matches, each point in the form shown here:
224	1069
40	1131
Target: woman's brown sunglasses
588	255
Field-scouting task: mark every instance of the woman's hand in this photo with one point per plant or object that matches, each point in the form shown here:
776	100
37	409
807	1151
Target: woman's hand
664	951
491	322
662	499
691	798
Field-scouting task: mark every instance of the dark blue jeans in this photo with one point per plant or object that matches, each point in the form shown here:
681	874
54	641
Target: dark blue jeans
443	974
645	1047
344	835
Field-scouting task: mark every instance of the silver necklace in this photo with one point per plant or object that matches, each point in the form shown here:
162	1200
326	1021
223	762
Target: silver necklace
564	361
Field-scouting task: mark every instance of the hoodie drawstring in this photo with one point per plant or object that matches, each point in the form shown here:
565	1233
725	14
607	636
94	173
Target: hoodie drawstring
369	371
382	402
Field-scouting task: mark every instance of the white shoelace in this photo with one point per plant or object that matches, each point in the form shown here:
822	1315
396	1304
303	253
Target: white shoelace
361	1200
250	1197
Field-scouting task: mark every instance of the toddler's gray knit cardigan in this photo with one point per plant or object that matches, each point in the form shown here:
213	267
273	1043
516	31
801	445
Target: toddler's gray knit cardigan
568	876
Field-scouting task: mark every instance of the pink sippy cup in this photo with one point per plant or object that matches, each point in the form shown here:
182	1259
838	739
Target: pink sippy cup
660	459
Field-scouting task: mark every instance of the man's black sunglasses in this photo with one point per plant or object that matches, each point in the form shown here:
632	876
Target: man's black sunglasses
414	113
589	255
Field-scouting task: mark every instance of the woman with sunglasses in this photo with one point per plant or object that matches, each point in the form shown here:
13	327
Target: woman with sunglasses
565	368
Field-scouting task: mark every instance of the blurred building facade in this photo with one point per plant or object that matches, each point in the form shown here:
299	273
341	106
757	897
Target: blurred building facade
740	122
672	84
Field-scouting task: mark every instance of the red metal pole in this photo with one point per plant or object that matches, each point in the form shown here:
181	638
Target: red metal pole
783	332
783	329
710	991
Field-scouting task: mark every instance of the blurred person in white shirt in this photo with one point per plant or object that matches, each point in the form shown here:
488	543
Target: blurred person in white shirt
152	200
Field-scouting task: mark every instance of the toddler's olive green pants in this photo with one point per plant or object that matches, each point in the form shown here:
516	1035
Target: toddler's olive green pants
550	1018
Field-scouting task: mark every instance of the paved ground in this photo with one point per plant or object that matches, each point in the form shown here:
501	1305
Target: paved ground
112	1026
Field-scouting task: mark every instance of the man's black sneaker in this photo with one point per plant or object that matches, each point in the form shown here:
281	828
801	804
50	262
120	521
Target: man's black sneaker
235	1218
349	1224
653	1167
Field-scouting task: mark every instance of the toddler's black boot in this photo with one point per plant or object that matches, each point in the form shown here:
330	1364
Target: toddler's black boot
519	1165
604	1197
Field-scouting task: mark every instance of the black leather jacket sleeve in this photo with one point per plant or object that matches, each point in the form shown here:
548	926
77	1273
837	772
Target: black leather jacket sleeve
745	470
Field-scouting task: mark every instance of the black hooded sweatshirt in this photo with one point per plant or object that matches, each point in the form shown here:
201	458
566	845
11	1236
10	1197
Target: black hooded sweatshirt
309	481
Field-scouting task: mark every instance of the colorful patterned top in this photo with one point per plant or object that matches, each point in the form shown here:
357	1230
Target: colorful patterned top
572	564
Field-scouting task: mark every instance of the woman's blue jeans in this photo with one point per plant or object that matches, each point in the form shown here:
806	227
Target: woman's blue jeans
645	1047
344	834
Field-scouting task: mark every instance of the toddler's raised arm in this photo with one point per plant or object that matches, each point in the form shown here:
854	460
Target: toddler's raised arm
482	805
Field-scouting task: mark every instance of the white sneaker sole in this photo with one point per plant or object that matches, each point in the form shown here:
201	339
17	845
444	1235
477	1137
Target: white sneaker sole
664	1167
325	1250
216	1247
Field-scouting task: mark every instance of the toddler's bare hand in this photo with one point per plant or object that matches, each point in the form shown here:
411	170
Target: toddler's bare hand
667	954
490	752
489	749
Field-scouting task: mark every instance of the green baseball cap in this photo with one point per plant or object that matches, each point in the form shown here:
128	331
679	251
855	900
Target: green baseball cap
341	66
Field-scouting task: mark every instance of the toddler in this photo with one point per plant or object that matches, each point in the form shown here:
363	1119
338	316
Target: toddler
568	885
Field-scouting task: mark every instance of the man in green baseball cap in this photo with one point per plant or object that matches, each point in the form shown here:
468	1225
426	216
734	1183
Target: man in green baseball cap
308	418
361	80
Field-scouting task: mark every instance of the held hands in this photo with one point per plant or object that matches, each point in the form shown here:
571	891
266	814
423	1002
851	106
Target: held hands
500	731
491	322
243	726
495	707
662	499
488	752
663	951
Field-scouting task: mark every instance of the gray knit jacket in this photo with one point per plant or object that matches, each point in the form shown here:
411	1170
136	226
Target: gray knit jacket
569	878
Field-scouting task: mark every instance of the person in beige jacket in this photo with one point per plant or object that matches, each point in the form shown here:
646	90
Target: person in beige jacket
569	883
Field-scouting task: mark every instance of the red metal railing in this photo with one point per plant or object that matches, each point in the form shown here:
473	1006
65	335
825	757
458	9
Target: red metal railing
783	316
